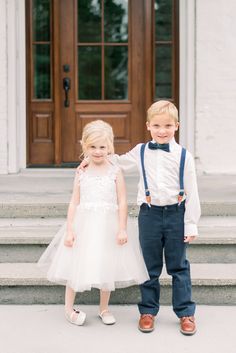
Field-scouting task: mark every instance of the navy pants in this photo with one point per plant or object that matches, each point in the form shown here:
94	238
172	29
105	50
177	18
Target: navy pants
161	230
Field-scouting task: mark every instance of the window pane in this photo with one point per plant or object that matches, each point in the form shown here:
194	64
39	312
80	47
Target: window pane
163	71
116	20
41	63
89	72
163	19
116	72
89	21
41	20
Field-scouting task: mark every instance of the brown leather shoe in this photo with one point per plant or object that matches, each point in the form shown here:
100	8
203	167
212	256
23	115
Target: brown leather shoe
187	325
146	323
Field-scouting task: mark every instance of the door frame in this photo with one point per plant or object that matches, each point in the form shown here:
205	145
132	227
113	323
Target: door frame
16	71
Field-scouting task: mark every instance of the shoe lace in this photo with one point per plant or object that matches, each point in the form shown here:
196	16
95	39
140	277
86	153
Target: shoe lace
189	318
147	315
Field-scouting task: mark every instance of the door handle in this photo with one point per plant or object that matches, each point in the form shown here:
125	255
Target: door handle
66	87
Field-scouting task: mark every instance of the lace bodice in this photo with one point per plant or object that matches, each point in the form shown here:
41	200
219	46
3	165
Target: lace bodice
98	191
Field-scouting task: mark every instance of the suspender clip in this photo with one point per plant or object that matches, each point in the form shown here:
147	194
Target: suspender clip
148	197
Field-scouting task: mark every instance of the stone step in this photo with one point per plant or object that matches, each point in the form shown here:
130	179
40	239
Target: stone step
59	209
24	240
25	283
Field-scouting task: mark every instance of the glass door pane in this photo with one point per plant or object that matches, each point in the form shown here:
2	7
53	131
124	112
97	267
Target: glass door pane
102	40
164	48
41	49
89	72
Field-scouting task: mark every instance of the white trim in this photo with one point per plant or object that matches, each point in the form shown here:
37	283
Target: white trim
3	89
22	83
187	23
16	90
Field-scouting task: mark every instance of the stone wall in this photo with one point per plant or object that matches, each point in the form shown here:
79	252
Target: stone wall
215	145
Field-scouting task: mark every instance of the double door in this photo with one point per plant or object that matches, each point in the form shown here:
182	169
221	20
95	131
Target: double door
96	59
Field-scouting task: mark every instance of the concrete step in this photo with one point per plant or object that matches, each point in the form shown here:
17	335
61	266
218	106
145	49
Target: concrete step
24	240
59	209
24	283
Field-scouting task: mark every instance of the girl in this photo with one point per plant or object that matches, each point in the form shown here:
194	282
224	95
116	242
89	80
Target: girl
94	250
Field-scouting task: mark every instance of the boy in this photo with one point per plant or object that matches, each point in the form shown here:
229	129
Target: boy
167	219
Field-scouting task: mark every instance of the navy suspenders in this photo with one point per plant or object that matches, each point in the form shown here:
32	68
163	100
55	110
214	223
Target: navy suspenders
181	175
147	192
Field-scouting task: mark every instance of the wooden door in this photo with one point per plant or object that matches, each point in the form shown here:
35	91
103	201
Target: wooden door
90	60
102	45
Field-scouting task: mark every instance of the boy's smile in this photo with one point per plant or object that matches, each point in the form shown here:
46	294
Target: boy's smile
162	128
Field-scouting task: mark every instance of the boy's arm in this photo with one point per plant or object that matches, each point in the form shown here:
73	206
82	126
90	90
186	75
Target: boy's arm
127	162
122	208
193	208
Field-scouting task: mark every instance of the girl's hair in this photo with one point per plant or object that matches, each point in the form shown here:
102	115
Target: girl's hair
96	131
162	107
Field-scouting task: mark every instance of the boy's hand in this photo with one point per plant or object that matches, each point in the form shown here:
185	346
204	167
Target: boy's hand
69	240
83	164
189	238
122	237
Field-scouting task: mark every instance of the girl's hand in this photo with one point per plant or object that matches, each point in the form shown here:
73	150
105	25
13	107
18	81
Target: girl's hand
83	164
189	238
122	237
69	240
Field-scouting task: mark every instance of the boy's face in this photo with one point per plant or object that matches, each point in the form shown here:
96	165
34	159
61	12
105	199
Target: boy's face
162	128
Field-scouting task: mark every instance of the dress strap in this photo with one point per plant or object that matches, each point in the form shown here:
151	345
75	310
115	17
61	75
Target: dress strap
79	174
113	170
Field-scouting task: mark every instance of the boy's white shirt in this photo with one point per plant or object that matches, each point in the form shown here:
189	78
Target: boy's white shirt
162	171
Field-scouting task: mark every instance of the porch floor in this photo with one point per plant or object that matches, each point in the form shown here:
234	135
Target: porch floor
53	185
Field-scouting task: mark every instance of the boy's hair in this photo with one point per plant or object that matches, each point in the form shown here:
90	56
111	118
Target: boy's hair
162	107
95	131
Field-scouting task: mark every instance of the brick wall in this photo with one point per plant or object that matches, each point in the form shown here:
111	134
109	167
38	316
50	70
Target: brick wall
216	86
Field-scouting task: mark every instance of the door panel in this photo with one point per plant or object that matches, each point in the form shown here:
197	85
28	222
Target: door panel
95	59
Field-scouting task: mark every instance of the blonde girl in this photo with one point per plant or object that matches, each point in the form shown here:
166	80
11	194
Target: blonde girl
93	250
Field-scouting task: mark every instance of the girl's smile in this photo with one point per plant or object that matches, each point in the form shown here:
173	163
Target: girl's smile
97	152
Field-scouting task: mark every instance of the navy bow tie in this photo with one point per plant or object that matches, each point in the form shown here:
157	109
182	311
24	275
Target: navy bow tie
161	146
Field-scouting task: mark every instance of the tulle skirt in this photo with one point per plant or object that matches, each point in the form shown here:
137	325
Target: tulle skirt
95	260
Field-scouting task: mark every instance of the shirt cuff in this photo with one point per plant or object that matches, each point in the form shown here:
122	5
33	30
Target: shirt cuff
190	229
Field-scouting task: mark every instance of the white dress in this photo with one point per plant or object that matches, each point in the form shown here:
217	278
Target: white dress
95	260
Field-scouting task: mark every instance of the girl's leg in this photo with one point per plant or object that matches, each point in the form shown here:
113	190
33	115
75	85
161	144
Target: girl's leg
76	317
104	300
69	299
105	315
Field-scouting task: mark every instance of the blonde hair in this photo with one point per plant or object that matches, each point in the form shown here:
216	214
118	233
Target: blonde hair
162	107
95	131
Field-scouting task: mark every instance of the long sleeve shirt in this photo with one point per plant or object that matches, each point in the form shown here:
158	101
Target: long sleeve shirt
162	172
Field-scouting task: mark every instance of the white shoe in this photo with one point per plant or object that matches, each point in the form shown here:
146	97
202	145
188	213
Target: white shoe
107	318
76	317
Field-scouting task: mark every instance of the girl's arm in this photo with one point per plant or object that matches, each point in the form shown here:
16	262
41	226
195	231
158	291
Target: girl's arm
122	208
74	201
